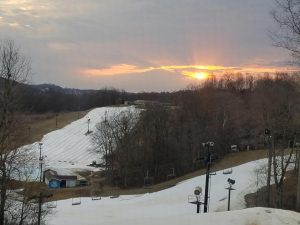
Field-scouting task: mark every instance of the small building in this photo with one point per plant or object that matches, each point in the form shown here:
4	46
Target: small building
54	183
60	178
128	103
234	148
145	102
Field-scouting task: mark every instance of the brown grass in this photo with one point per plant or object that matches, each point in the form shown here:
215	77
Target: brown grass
289	194
231	160
41	124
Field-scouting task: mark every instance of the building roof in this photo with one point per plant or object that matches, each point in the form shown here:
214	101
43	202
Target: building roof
59	175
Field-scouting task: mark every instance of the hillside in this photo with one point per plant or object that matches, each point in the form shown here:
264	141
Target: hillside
171	206
71	146
252	216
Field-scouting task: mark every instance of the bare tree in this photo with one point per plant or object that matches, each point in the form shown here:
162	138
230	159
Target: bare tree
104	144
112	141
287	16
14	69
23	208
298	184
122	126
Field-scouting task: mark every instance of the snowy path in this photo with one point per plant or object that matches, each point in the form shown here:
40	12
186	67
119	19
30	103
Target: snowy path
70	147
252	216
164	205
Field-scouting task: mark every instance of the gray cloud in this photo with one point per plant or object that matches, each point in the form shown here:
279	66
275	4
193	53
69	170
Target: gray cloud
64	37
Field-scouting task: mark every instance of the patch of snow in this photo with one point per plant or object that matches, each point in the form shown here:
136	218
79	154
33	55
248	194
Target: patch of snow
170	206
71	147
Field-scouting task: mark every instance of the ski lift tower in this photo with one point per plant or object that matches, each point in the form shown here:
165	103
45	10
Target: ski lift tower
88	121
208	145
88	126
41	180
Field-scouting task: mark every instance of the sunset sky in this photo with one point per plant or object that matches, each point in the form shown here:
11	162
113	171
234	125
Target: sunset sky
141	45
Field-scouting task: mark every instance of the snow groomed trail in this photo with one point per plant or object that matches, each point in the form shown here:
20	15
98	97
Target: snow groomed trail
70	147
251	216
170	206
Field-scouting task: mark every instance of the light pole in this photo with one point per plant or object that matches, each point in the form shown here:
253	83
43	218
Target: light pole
41	180
41	162
208	163
88	131
29	129
269	142
56	120
230	182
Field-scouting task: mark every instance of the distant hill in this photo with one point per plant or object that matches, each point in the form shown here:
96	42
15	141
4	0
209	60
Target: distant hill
42	88
41	98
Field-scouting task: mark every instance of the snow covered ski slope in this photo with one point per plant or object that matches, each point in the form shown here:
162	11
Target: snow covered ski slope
171	207
251	216
70	147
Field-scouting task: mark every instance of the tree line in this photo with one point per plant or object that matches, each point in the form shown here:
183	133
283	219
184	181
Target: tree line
16	164
51	98
166	140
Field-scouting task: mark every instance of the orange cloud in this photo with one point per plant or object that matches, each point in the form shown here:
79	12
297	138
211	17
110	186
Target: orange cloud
185	70
115	70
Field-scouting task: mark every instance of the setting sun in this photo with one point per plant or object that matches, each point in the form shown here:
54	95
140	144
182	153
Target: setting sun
196	75
201	76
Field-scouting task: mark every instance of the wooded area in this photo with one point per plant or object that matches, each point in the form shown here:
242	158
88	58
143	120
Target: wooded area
167	139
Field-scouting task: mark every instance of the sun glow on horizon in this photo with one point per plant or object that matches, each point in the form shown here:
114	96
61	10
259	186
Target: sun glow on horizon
196	72
201	75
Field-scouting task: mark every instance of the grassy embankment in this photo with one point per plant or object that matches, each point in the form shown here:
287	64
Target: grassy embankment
41	124
231	160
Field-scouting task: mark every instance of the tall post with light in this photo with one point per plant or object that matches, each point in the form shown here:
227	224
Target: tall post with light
41	180
269	142
41	162
208	164
56	120
88	122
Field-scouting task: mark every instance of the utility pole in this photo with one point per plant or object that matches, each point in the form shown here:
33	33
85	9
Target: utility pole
88	131
296	156
41	162
56	120
41	180
269	141
298	184
29	131
208	162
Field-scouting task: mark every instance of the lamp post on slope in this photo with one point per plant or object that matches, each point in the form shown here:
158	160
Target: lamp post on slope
207	177
41	161
41	180
88	128
269	143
